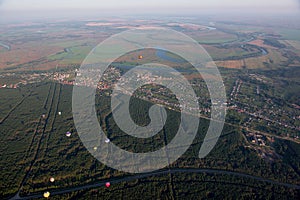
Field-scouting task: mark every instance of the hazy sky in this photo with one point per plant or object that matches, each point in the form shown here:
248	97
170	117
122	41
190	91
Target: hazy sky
274	5
26	9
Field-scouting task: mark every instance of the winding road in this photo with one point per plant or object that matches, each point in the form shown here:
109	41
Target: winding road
155	173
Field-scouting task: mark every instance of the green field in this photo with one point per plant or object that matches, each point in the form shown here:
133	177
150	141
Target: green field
289	34
74	54
212	37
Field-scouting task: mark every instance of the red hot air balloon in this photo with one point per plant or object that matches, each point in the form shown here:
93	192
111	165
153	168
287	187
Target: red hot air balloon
107	184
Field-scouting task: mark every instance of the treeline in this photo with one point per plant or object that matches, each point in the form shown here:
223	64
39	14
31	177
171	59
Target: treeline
273	42
252	51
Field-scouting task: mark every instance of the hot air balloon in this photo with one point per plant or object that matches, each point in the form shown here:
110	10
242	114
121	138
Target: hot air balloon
46	194
68	134
107	184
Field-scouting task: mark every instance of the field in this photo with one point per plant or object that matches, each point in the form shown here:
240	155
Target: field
44	48
212	37
294	44
40	47
289	34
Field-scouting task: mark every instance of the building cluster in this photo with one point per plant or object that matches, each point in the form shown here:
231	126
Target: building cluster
14	80
256	139
260	109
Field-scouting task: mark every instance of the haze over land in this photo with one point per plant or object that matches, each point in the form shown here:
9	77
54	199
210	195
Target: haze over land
46	9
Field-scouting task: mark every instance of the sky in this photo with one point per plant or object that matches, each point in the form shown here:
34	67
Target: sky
58	7
146	4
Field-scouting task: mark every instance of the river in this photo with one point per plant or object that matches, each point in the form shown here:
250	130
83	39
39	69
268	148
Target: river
5	46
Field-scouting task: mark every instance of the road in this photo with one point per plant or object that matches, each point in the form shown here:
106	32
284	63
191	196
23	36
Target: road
155	173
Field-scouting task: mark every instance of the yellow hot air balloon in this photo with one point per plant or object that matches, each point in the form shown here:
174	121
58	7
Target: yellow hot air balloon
140	57
46	194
